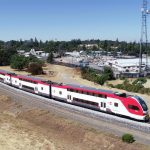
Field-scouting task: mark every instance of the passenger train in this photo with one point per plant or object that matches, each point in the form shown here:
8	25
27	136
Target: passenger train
121	104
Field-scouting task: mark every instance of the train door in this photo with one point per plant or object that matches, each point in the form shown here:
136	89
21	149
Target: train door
103	106
36	90
69	98
116	107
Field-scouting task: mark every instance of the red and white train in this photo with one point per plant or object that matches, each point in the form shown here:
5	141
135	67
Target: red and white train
103	100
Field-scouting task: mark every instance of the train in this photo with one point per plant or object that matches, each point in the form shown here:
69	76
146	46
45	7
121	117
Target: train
121	104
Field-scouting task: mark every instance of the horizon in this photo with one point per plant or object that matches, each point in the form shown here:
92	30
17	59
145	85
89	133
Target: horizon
67	20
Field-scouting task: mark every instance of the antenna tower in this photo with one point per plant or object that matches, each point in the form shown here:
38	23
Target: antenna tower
144	38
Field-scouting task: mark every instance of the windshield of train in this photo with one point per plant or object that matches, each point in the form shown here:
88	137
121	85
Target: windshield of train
141	101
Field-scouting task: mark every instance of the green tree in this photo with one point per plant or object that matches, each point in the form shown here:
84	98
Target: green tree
102	79
108	71
50	58
5	56
32	58
18	62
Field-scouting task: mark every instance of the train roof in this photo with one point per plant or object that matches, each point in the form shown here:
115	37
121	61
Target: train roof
98	90
36	79
30	77
90	88
7	72
4	71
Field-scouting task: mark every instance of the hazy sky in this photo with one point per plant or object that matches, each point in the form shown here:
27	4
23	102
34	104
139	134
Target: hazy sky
71	19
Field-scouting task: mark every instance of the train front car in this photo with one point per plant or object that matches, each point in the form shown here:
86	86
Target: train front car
143	109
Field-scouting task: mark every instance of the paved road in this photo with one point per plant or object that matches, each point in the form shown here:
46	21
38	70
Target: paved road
29	101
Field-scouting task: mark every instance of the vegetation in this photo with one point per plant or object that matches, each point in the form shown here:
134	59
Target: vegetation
5	56
128	138
50	58
32	64
34	59
131	48
35	68
136	86
18	62
92	75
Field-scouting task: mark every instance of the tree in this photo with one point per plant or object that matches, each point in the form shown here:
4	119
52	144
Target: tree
32	58
18	62
35	68
50	58
108	71
102	79
5	56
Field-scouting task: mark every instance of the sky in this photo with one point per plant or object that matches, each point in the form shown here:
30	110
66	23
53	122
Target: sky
71	19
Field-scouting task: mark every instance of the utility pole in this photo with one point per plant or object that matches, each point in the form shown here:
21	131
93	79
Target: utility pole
144	38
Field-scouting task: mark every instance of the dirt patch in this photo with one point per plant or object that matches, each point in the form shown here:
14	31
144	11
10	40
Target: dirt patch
5	99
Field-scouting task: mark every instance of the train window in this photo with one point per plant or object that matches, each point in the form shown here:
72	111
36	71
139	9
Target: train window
80	92
116	104
36	89
60	92
104	96
41	88
85	101
96	95
101	104
133	107
84	92
90	94
104	105
100	95
27	87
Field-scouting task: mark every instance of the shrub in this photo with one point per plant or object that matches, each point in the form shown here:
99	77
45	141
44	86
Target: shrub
140	81
128	138
119	86
35	69
122	78
102	79
110	85
126	82
137	87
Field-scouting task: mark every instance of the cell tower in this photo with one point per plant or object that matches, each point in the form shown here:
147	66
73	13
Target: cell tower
144	38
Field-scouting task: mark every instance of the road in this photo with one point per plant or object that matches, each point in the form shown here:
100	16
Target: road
30	101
